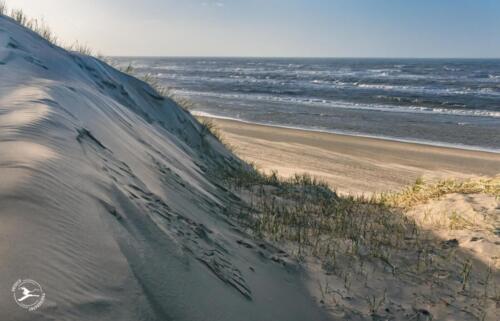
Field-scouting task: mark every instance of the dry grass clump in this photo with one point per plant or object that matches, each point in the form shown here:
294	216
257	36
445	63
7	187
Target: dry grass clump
360	241
421	192
3	7
251	176
148	78
209	128
185	103
305	211
40	27
37	25
324	223
153	81
81	48
130	70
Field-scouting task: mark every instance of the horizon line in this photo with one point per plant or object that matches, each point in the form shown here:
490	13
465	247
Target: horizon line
301	57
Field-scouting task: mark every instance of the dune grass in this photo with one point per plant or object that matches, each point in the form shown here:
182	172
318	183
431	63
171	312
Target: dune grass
3	7
250	177
421	192
154	82
304	210
354	238
161	90
36	25
81	48
40	27
209	127
307	212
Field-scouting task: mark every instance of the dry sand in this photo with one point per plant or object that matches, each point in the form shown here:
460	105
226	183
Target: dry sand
359	288
106	200
352	164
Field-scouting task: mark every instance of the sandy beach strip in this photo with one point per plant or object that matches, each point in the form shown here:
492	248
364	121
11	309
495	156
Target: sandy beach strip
352	164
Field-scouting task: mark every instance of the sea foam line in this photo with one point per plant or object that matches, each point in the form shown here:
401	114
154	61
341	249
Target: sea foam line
347	105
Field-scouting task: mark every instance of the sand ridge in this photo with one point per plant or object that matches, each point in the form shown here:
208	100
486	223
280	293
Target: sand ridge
108	201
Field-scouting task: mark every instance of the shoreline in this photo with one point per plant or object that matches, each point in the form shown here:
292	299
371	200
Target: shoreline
352	164
353	134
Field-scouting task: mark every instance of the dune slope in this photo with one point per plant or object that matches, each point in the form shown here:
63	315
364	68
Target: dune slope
107	202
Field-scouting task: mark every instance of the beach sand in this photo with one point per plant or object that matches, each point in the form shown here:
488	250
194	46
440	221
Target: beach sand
110	198
351	164
357	165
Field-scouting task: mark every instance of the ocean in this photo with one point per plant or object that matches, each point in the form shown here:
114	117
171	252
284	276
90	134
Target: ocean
445	102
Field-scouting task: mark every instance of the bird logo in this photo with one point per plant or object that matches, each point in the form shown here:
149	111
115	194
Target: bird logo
28	294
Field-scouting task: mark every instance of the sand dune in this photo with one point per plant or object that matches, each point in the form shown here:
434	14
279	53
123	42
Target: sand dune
106	201
461	228
124	207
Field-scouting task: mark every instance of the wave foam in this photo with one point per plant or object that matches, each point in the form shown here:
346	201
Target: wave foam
345	105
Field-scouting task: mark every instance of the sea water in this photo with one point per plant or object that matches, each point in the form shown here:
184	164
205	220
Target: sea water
450	102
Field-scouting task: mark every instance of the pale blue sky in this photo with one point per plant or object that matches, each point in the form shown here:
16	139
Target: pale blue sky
326	28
